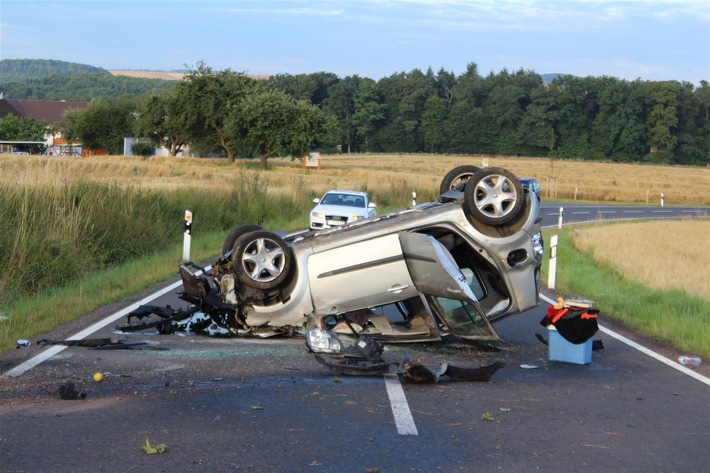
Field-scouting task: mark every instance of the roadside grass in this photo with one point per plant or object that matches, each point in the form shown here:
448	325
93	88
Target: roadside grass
667	315
41	313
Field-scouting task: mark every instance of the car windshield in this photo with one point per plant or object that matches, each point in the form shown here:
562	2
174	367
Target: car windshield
347	200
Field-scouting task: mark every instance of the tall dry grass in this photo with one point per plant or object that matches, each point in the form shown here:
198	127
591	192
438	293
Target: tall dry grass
659	255
380	174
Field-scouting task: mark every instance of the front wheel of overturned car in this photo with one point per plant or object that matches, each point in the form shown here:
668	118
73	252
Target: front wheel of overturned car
457	176
261	259
235	234
494	196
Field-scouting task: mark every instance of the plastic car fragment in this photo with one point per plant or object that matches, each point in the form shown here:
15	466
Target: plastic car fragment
365	358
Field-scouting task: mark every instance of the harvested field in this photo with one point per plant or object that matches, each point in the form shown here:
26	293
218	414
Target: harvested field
378	173
659	254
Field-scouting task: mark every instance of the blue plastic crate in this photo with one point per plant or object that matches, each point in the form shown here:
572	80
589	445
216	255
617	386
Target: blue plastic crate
560	349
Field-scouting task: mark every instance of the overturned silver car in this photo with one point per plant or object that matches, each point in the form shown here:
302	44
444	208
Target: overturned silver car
451	266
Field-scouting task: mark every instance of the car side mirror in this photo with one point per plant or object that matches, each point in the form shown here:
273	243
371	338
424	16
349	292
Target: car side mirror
316	201
371	205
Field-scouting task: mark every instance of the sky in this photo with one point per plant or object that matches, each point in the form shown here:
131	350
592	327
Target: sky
630	39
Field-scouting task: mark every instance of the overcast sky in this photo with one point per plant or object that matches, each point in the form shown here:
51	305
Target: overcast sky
629	39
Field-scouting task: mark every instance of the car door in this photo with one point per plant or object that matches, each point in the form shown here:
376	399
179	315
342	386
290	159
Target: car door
359	275
446	290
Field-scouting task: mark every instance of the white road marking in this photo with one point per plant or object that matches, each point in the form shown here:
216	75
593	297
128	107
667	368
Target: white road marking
645	350
50	352
400	408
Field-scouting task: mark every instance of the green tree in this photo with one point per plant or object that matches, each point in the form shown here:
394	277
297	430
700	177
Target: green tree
341	104
536	131
368	110
273	123
158	119
578	105
446	84
104	123
701	133
433	122
14	128
405	95
204	100
314	88
143	147
662	121
619	129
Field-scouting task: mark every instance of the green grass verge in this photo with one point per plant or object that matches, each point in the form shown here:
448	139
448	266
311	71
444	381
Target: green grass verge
669	316
39	314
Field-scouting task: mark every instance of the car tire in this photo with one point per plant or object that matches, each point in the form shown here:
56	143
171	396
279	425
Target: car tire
493	196
457	176
235	234
261	259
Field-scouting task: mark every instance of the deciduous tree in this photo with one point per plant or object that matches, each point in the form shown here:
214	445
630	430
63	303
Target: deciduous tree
14	128
274	123
104	123
204	100
158	119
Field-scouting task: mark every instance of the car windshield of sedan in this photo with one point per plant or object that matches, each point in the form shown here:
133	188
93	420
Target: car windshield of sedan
347	200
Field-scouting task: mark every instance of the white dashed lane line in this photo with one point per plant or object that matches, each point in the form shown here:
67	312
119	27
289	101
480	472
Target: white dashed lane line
400	408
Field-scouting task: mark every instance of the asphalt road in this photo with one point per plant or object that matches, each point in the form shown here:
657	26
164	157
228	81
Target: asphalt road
267	405
592	213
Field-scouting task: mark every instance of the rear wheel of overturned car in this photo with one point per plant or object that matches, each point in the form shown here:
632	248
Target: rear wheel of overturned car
457	176
493	196
261	259
235	234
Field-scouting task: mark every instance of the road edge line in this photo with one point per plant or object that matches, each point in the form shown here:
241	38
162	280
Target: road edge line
50	352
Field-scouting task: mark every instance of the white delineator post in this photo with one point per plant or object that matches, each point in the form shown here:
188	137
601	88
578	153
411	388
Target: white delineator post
552	269
559	219
414	199
187	236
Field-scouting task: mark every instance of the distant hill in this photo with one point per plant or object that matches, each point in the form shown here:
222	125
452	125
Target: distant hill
14	69
43	79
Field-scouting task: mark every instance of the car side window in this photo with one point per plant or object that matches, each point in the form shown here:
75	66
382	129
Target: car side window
474	283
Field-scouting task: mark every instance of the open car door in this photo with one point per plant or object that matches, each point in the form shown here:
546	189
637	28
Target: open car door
439	279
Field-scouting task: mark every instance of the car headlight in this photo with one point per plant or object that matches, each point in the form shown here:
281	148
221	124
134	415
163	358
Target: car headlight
354	217
317	214
321	341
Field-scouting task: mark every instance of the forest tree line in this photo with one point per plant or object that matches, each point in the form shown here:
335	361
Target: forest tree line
505	113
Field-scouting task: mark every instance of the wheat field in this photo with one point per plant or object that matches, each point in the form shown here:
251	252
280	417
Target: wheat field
658	254
378	173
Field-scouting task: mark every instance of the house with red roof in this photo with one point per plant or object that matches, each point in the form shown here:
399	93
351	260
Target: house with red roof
51	112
